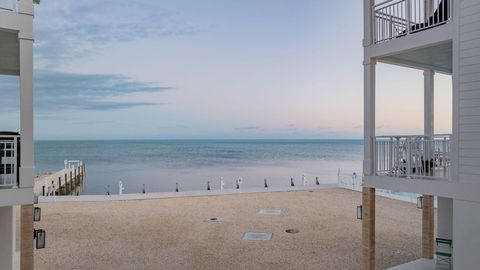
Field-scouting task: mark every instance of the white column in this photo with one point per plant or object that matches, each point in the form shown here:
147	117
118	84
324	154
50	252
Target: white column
7	237
428	107
26	110
369	116
428	226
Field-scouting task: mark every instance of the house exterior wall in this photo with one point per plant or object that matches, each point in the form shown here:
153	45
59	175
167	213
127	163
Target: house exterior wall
469	92
466	125
466	221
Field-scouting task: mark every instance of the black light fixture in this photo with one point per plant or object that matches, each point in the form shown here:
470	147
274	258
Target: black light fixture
360	212
420	202
37	214
40	238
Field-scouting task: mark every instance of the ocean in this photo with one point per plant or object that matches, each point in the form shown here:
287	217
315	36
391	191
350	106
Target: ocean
159	164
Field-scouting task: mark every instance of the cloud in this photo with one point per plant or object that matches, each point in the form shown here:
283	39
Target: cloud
98	92
248	128
75	29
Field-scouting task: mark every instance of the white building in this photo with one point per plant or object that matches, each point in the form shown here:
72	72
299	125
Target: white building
17	164
437	36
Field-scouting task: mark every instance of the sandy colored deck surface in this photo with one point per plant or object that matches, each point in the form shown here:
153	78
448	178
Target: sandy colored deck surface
173	234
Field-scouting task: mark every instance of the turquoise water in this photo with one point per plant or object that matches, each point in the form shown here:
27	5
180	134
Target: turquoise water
159	164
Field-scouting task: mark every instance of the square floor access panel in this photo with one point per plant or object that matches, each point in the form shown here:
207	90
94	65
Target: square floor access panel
257	236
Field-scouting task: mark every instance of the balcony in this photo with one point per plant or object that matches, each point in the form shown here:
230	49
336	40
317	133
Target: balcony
410	157
397	18
9	159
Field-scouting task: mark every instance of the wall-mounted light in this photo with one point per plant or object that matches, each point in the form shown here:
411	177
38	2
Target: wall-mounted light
420	202
360	212
40	238
37	214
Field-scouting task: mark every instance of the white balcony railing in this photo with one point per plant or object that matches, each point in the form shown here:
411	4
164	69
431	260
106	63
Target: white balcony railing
9	159
397	18
413	156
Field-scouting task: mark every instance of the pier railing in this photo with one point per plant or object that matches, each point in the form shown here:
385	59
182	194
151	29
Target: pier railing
9	159
413	156
397	18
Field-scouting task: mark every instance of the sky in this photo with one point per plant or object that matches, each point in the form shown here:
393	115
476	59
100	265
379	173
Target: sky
217	69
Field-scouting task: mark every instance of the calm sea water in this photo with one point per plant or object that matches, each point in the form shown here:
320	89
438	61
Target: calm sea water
159	164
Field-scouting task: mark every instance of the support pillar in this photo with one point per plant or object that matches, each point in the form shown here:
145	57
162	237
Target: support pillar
428	227
27	167
368	228
428	224
368	193
26	238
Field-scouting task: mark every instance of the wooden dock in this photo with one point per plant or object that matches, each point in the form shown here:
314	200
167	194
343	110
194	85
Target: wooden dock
68	181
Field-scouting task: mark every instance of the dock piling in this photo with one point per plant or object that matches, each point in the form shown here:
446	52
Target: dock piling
316	181
291	182
265	184
143	189
176	187
208	185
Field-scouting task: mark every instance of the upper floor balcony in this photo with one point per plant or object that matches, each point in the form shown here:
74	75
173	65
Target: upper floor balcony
397	18
413	156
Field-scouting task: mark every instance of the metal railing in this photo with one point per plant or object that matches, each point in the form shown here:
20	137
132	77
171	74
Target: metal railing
397	18
9	159
413	156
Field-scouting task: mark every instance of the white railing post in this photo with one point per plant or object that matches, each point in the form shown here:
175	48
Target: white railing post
390	162
409	157
374	25
408	15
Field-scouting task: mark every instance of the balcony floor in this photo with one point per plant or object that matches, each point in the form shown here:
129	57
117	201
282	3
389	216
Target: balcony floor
437	57
420	264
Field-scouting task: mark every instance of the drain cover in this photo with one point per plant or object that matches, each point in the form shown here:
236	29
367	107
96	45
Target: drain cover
214	219
291	231
257	236
270	212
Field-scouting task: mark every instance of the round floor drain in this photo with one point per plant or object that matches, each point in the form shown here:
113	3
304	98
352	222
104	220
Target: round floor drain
291	231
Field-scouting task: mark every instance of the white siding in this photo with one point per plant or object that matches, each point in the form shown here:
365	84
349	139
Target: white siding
466	221
469	92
